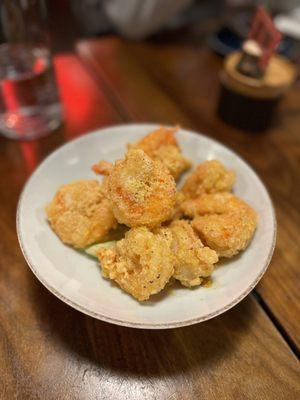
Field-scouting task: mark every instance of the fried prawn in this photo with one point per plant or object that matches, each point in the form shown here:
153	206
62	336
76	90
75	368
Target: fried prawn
224	222
209	177
141	263
193	261
80	214
162	145
141	190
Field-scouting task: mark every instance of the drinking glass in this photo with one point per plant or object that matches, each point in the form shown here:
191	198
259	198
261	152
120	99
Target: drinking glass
29	100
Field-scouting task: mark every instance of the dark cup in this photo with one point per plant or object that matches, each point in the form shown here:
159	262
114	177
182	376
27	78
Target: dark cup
250	103
245	112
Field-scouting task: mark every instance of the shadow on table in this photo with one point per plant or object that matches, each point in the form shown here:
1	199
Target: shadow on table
140	352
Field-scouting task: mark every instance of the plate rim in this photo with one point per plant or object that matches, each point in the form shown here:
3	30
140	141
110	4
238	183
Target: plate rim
125	323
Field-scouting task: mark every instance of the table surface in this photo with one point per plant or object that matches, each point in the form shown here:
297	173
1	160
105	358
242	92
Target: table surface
50	351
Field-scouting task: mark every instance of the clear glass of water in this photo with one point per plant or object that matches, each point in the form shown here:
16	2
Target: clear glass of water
29	100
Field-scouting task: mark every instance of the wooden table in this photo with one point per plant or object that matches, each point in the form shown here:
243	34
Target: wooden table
50	351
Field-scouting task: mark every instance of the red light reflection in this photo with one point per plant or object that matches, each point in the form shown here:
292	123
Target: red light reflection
83	102
30	154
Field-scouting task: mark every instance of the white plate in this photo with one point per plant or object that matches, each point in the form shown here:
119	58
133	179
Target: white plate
76	279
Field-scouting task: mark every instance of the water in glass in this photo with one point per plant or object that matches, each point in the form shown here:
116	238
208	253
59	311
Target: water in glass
29	101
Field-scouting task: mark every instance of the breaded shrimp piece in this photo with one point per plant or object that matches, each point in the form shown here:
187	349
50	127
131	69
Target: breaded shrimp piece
214	203
141	190
193	261
141	263
102	168
173	159
162	145
209	177
155	139
224	222
80	214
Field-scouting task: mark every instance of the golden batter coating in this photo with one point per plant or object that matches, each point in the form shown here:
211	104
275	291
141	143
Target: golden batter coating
80	214
177	211
162	145
224	222
193	261
209	177
141	190
141	263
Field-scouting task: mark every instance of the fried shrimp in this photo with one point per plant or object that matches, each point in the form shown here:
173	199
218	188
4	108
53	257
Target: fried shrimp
162	145
224	222
141	190
193	261
209	177
141	263
80	214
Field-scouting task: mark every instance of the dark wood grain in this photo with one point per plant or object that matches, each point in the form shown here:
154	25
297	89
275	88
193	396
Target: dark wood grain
187	86
133	92
50	351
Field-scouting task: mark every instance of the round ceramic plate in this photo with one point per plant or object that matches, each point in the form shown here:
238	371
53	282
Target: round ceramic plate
76	279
